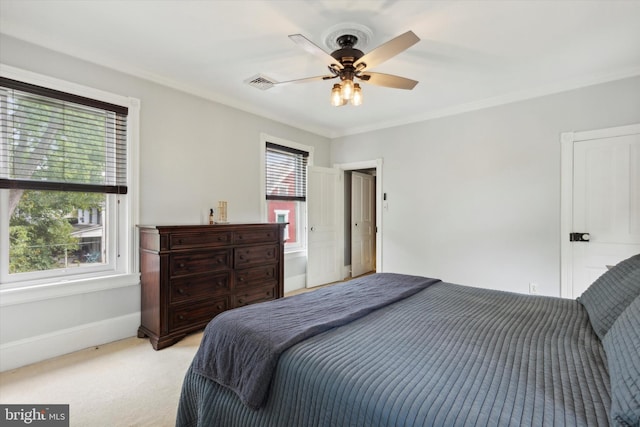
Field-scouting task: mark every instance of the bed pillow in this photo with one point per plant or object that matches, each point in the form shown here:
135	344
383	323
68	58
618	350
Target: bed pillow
622	345
611	293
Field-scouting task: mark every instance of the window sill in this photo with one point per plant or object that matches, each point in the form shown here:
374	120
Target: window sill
57	289
295	253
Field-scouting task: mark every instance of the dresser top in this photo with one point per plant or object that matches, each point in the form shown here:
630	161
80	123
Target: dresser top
204	227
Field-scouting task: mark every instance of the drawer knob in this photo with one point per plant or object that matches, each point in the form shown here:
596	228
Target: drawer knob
219	307
182	265
240	300
181	291
181	317
241	279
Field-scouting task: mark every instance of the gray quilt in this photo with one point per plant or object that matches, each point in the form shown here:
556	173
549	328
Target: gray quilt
449	355
240	348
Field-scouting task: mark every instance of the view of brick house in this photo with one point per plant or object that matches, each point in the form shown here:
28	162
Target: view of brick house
284	211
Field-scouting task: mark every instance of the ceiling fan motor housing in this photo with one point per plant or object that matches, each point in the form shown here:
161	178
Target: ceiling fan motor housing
347	54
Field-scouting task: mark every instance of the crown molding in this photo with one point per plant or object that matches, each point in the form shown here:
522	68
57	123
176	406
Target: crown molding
509	98
125	68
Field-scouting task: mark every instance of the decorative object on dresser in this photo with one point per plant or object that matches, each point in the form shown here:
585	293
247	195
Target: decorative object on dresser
222	212
191	273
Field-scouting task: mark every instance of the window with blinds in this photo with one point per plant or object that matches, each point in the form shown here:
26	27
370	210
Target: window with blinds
286	173
53	140
63	165
286	191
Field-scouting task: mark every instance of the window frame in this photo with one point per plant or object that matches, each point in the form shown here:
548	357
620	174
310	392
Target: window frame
301	206
121	214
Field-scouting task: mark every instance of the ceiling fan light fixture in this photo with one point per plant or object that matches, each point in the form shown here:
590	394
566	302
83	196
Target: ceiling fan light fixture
349	63
357	95
336	96
347	89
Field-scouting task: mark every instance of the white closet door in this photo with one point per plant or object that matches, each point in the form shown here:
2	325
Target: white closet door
605	204
324	231
362	223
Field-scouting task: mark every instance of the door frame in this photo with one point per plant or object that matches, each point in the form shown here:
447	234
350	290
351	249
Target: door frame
370	164
567	141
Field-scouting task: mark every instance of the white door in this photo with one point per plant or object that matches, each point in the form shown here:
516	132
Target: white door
362	223
604	205
324	226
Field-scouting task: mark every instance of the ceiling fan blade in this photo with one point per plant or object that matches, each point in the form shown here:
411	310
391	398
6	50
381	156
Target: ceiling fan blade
388	50
313	49
306	79
388	80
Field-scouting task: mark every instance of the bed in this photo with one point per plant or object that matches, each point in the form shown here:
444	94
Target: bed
429	354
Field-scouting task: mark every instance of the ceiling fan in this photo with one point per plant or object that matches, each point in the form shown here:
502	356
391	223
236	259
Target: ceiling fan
349	63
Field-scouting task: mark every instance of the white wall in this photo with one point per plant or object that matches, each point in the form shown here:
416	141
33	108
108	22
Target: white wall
193	152
475	198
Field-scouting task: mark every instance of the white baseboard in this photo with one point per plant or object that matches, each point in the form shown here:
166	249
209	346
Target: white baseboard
294	283
36	349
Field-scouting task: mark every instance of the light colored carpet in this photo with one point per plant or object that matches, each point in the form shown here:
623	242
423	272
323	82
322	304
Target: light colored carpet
124	383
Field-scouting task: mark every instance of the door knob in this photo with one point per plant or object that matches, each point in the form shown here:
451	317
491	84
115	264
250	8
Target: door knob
579	237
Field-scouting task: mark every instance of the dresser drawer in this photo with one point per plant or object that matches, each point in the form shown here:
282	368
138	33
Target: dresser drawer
191	315
204	239
252	296
255	255
256	235
256	276
199	262
198	287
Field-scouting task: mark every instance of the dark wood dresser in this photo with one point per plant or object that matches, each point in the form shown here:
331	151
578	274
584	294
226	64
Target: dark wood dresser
191	273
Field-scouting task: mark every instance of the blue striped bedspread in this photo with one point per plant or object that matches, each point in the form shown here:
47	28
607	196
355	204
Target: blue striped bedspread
449	355
240	348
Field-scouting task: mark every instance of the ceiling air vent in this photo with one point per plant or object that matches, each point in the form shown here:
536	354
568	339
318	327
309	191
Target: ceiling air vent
260	81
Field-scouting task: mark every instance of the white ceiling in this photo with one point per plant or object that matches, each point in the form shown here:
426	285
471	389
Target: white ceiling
472	54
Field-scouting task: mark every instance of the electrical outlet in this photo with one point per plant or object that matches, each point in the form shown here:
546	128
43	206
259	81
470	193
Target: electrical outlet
533	288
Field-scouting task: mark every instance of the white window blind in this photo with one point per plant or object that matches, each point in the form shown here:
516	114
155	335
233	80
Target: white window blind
53	140
286	173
